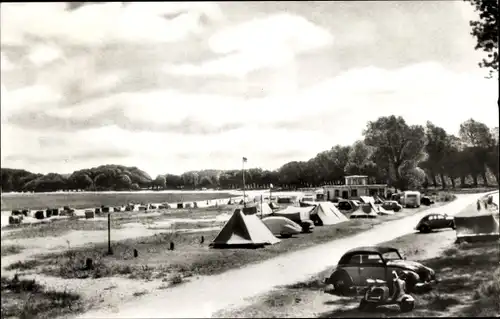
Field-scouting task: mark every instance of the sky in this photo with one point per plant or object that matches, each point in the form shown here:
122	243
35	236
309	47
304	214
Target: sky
177	86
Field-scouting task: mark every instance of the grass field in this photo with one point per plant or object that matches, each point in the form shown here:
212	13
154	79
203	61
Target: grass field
87	200
189	257
28	299
59	227
11	250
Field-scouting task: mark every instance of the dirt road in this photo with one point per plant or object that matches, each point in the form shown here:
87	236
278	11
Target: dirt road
202	298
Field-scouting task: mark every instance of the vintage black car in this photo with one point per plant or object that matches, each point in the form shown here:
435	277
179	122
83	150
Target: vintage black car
377	262
435	221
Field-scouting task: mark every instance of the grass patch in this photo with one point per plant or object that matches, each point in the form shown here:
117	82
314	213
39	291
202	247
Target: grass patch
23	265
28	299
11	250
140	293
441	302
56	228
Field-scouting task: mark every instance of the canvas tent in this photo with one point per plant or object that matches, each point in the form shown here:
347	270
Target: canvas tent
366	199
258	209
380	210
364	211
296	214
244	231
282	226
477	227
307	204
325	213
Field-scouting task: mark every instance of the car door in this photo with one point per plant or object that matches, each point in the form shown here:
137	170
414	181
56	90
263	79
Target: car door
352	268
441	221
372	267
431	221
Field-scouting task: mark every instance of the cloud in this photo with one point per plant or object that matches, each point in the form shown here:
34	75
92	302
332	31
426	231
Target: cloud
109	22
5	63
44	54
171	87
267	42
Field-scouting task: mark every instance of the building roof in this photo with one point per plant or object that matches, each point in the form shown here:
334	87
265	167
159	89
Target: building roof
355	186
349	176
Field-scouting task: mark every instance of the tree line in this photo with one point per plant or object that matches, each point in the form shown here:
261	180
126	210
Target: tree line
392	152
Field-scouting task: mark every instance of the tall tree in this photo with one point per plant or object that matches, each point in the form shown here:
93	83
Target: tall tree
397	144
478	138
485	30
436	148
360	161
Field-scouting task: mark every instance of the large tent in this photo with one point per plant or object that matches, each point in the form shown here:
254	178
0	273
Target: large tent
477	227
380	210
325	213
244	231
282	226
307	204
258	209
296	214
364	211
366	199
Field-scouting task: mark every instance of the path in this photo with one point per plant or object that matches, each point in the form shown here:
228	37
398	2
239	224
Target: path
204	297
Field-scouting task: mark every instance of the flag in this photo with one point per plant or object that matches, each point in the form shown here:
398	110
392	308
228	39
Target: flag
244	159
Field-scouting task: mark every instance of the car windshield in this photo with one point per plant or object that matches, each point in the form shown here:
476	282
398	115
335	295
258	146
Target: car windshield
411	196
391	255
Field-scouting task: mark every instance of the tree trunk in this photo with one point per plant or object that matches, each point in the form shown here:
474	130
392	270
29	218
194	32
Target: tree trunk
485	179
474	178
453	182
462	181
434	180
443	180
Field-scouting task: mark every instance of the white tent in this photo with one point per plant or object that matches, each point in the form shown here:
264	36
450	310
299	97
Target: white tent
245	231
327	214
380	210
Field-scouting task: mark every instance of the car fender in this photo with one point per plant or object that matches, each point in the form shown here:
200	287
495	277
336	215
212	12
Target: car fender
338	273
406	273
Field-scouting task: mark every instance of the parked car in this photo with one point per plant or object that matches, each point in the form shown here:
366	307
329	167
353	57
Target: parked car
377	262
426	200
392	205
347	206
435	221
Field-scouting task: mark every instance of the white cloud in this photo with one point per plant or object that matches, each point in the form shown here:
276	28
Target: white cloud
21	100
332	112
97	24
266	42
5	64
44	54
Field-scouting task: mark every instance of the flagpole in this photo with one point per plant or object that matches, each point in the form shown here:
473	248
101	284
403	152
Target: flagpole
243	170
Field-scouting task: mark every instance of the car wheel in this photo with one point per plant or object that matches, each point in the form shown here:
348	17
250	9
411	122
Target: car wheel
406	305
365	305
425	229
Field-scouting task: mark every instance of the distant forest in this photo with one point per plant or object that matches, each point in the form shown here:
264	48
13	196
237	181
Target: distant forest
393	152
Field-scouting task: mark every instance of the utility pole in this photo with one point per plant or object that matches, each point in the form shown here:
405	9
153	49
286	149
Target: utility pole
110	252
